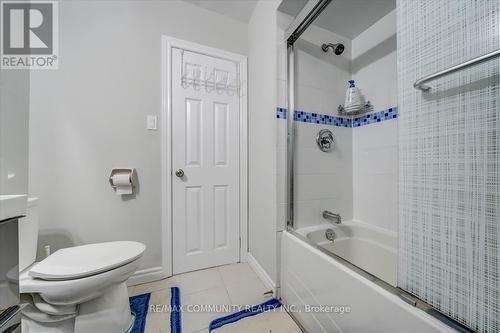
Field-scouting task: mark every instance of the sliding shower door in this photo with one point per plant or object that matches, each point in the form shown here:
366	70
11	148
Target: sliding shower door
449	156
343	155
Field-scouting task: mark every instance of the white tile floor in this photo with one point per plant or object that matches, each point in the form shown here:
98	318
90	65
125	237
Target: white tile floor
232	284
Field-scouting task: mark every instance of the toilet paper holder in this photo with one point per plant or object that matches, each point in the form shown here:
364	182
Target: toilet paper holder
132	176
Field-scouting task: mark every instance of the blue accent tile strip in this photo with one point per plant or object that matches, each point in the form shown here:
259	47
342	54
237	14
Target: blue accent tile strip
281	113
139	307
175	313
349	122
375	117
269	305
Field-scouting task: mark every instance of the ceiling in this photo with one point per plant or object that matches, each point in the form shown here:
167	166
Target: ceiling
240	10
347	18
292	7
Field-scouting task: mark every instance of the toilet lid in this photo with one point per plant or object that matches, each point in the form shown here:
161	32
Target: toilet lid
86	260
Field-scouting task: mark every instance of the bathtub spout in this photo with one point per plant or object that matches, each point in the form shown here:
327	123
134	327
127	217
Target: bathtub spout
332	217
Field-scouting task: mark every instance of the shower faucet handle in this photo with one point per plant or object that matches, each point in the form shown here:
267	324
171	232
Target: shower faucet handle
325	140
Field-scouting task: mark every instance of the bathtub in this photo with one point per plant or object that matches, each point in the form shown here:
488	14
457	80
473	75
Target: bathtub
324	294
370	248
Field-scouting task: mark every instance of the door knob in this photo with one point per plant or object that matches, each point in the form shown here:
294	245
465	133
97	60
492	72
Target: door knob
179	173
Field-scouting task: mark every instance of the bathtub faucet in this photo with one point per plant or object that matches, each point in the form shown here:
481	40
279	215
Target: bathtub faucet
335	218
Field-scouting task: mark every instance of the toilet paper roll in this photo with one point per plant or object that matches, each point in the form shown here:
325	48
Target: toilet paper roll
124	190
121	179
122	183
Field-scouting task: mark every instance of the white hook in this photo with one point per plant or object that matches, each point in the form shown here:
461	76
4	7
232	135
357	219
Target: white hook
233	87
196	77
184	82
226	78
207	81
217	80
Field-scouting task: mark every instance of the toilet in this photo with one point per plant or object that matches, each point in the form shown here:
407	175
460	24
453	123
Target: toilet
78	289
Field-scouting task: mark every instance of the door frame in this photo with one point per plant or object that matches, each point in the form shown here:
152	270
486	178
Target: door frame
168	43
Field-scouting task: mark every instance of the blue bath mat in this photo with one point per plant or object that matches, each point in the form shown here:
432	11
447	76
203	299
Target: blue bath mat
139	307
269	305
175	312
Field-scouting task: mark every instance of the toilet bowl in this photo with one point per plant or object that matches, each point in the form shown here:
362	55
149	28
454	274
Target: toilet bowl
78	289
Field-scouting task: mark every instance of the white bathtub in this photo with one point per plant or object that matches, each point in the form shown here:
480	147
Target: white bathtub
369	248
313	280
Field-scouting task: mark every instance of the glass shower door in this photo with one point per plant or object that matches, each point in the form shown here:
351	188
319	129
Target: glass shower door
345	156
449	157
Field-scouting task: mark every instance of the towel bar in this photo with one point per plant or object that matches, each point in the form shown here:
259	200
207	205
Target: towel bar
420	84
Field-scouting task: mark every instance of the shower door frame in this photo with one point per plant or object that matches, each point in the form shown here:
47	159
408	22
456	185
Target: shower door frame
306	17
302	21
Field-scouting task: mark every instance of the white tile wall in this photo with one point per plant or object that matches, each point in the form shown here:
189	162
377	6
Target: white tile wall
359	178
373	63
321	84
323	181
321	77
375	174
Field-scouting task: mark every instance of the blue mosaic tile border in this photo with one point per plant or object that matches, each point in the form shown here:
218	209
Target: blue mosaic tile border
375	117
350	122
281	113
315	118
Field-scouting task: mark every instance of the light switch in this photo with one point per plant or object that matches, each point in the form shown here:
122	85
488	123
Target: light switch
152	123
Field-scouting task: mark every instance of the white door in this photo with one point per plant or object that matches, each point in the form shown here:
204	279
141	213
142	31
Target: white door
205	148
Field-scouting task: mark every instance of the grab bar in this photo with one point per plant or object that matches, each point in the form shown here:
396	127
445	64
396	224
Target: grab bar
419	84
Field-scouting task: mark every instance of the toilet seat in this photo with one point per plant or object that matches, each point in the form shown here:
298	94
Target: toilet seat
86	260
76	291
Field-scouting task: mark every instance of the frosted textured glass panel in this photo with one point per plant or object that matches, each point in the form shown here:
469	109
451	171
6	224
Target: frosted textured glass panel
449	192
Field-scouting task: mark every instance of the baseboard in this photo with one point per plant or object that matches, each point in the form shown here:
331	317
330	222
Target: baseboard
146	276
261	273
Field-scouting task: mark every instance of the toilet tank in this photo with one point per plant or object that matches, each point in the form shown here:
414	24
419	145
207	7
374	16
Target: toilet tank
28	235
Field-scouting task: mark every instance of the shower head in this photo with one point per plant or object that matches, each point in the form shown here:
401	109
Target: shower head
337	48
